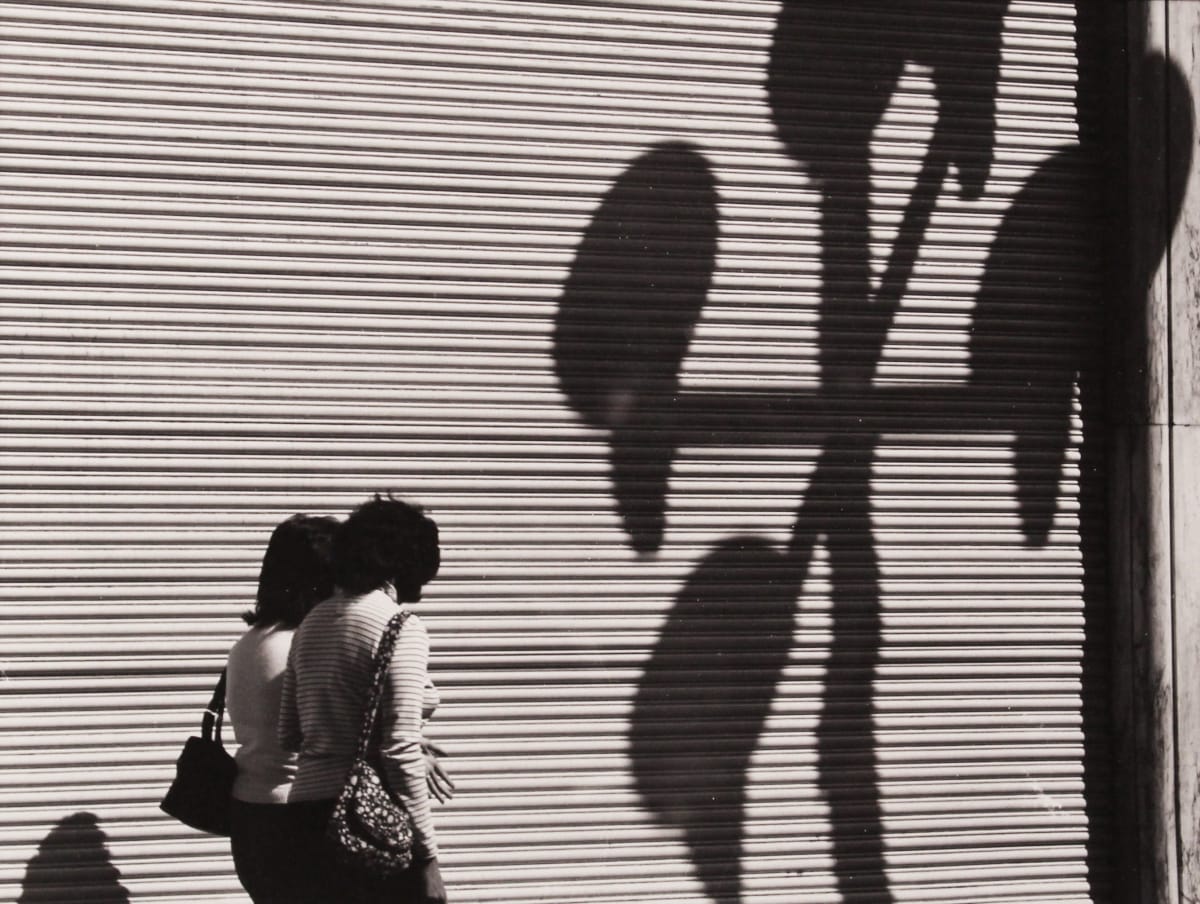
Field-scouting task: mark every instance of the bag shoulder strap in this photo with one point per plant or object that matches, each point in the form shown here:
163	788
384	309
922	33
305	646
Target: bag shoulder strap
383	658
214	715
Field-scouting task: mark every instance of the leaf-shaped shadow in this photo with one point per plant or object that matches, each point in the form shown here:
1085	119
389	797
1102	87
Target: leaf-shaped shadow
639	280
1022	348
855	52
1021	344
705	695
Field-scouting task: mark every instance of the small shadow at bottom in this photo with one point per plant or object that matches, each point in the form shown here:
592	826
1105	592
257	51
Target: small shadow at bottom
73	864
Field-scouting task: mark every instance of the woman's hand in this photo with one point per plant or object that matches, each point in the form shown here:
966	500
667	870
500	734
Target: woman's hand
441	787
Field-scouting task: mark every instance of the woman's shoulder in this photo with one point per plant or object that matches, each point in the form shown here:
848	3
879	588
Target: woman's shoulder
375	607
262	641
411	617
413	623
271	635
370	614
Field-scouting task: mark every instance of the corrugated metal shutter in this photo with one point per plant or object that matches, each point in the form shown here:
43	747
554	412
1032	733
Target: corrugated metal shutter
749	586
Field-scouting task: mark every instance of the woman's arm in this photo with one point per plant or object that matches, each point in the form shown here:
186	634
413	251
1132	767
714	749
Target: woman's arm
290	736
400	713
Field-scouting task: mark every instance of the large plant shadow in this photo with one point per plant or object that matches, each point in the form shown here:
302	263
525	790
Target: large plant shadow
1034	355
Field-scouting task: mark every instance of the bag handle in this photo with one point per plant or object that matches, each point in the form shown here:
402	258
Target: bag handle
214	715
383	658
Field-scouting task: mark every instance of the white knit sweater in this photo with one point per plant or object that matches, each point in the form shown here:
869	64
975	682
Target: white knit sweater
255	680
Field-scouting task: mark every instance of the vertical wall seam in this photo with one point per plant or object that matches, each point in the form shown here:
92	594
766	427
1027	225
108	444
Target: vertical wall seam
1170	439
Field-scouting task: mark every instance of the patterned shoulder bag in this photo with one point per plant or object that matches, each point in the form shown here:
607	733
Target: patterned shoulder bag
370	829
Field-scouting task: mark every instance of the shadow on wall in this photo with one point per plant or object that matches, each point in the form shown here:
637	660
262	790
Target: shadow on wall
636	289
73	864
626	316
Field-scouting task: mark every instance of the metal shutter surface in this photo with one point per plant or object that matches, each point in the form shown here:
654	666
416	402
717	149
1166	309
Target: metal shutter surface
270	257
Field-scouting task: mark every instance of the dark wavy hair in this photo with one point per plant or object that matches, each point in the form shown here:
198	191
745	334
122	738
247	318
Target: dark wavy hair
297	571
386	540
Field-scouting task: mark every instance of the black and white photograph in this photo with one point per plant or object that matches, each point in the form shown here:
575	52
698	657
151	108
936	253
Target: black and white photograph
599	452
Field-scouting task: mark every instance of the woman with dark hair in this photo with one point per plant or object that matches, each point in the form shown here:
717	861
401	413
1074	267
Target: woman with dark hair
296	575
383	555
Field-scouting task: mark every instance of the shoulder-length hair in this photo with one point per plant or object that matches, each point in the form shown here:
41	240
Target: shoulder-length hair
297	571
386	540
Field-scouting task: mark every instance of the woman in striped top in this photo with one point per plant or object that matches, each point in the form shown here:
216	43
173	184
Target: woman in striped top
383	555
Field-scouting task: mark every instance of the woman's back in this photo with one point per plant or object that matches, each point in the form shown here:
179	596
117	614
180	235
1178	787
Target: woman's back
255	684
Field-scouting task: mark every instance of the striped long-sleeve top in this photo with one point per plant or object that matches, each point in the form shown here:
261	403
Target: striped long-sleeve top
324	694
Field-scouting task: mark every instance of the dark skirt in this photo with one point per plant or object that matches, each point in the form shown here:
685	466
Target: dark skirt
281	857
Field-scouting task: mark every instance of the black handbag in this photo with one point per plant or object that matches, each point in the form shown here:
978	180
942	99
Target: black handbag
370	829
204	773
